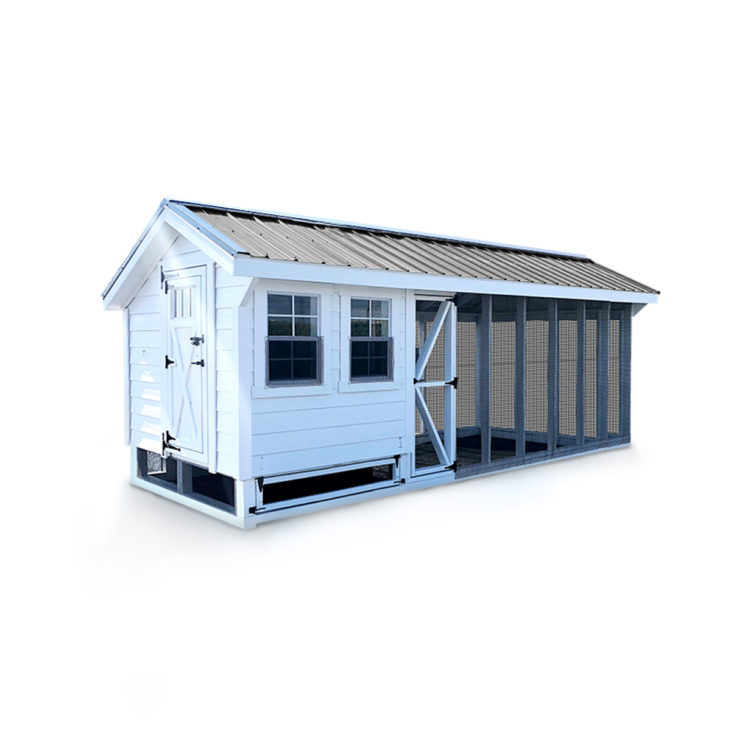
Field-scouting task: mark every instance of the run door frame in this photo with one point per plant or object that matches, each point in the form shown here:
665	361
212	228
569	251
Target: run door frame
445	446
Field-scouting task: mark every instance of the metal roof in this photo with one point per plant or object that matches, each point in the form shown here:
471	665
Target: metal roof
290	238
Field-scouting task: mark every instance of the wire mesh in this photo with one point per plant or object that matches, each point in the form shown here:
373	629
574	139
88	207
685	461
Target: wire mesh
590	375
567	348
466	374
502	381
536	375
614	348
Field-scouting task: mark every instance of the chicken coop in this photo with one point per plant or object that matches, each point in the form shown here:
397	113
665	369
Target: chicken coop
276	364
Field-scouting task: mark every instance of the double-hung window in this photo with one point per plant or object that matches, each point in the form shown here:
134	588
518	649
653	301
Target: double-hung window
371	344
294	352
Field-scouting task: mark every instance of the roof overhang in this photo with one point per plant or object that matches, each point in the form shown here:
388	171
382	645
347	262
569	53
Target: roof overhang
170	221
305	272
173	219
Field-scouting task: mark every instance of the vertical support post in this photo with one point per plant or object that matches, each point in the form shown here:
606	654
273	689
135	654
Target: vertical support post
185	478
625	368
553	365
519	402
602	369
484	375
450	391
580	369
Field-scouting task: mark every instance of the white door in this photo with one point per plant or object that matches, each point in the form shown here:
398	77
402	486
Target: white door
185	364
435	386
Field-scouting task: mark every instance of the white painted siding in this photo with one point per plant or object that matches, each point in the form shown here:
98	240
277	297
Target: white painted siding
145	367
230	291
147	352
340	422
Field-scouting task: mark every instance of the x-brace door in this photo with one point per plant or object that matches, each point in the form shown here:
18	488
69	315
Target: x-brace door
435	384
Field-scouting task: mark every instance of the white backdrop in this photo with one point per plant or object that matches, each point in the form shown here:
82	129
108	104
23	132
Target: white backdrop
587	594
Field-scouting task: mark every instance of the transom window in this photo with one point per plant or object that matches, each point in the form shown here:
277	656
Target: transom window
371	347
293	345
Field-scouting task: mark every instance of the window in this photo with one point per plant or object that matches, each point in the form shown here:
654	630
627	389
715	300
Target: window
371	347
293	345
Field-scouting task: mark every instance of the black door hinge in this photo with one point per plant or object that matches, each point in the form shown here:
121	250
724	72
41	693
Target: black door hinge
453	382
168	362
166	439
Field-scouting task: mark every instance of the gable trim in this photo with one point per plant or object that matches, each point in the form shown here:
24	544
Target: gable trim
166	225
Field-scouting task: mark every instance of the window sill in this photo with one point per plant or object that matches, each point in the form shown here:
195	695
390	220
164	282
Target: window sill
284	391
346	387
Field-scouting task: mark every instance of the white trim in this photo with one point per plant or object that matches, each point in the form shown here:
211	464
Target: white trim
305	272
324	330
396	304
428	346
231	518
203	458
210	356
127	397
431	430
166	226
336	469
243	350
410	400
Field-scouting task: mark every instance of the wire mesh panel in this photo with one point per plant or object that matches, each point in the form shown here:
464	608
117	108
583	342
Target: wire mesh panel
590	374
567	349
466	374
502	381
536	376
614	355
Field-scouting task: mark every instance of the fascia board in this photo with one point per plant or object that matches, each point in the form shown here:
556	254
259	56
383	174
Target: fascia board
143	258
305	272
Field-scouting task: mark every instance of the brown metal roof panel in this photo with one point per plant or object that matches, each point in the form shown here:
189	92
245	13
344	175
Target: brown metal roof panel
357	254
267	244
342	245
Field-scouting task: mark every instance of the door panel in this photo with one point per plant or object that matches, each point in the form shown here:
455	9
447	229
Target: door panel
186	375
435	386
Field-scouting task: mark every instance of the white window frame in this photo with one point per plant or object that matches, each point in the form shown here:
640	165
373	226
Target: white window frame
388	338
260	389
397	306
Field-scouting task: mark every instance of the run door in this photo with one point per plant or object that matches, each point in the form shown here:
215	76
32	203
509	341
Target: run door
185	364
435	384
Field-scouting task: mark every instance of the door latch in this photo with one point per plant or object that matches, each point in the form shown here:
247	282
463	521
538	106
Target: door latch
200	363
197	340
168	362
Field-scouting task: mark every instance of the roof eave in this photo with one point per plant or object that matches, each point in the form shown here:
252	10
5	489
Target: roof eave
343	275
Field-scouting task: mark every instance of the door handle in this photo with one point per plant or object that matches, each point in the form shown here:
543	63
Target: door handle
200	362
